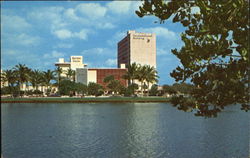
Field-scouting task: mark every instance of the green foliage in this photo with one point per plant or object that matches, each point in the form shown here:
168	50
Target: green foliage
145	74
21	74
154	90
5	90
95	89
168	89
183	88
48	76
81	88
37	92
130	90
58	72
215	55
113	85
66	87
109	78
36	78
70	74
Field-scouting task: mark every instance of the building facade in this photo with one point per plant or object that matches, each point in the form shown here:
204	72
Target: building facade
85	75
75	62
97	75
137	47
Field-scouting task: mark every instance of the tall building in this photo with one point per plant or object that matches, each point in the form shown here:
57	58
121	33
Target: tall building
137	47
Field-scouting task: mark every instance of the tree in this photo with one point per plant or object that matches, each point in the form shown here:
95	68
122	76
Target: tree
215	55
66	87
70	74
183	88
81	88
131	73
153	90
169	89
22	74
141	76
47	77
113	85
95	89
109	78
9	76
36	78
151	75
58	71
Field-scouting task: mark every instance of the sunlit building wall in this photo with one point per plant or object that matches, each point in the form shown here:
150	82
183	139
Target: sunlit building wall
137	47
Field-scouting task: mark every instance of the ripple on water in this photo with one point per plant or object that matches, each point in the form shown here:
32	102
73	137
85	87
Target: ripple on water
121	131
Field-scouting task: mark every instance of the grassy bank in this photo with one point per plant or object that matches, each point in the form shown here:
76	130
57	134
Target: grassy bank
83	100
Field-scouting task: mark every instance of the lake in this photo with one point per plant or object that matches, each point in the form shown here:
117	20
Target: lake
132	130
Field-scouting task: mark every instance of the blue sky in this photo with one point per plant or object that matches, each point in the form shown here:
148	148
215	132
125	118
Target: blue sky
38	33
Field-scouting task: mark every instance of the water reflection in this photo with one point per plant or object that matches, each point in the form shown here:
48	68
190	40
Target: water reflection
142	135
120	130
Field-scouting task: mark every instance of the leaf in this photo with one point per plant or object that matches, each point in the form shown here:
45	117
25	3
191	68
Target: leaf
139	14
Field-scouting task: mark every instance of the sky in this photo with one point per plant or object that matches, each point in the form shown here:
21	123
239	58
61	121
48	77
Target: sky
37	33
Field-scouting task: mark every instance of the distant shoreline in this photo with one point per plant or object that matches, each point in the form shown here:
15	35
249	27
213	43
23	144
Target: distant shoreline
87	100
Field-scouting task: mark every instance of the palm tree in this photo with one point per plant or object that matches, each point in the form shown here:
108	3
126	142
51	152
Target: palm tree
9	76
151	76
141	76
36	78
58	71
131	73
47	77
22	73
70	73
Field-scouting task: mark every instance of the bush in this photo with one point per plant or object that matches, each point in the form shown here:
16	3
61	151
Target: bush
5	90
37	92
66	87
95	89
154	90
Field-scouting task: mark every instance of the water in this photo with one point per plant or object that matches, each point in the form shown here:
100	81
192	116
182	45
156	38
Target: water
136	130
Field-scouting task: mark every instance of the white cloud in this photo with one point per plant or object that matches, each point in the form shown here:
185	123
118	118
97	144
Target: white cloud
98	51
65	34
53	54
11	57
70	13
49	16
63	45
160	32
161	51
123	7
119	7
116	38
14	23
105	25
111	62
83	34
20	39
92	10
27	40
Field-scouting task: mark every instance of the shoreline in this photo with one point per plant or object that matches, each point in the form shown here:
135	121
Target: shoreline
87	100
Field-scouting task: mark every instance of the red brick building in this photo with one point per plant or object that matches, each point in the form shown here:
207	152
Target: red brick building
102	73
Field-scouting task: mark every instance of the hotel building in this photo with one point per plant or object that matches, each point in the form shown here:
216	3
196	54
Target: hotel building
75	62
85	75
137	47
